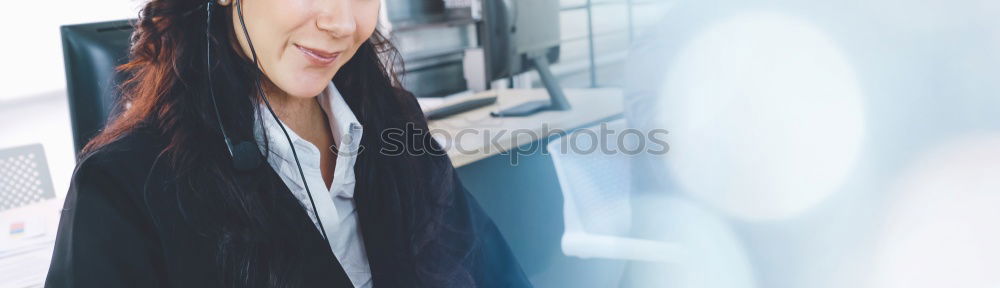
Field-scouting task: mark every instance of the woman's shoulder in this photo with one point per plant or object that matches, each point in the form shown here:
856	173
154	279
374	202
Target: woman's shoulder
128	158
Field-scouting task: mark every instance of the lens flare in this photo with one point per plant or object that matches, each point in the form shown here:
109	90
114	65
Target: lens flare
765	115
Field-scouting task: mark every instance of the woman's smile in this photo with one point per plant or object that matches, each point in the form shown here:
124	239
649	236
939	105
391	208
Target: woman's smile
318	57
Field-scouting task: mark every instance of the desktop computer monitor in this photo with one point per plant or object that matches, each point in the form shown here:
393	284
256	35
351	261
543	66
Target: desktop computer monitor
91	53
518	36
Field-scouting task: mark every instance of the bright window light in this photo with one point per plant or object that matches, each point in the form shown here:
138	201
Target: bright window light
765	114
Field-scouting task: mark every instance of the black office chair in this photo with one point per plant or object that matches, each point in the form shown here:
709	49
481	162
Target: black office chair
91	52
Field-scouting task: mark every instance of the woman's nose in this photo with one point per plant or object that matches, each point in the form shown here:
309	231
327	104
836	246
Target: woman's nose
337	18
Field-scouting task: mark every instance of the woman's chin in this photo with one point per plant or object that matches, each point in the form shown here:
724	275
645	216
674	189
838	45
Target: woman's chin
305	87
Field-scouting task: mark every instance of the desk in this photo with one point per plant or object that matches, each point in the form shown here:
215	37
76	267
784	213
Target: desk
475	135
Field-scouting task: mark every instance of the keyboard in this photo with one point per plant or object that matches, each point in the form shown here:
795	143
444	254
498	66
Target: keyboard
458	106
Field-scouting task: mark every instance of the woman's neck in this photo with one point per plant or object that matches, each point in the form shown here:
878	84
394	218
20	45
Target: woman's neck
302	115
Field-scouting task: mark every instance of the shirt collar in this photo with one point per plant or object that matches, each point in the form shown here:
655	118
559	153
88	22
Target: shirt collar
344	124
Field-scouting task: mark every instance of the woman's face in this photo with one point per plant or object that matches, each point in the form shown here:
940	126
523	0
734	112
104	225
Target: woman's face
301	44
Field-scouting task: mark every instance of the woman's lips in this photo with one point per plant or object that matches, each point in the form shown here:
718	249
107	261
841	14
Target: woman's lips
318	57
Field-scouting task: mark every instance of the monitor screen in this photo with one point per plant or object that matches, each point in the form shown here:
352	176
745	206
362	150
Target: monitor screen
511	29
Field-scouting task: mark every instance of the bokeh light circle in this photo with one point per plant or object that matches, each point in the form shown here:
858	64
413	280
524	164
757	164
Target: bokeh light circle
765	114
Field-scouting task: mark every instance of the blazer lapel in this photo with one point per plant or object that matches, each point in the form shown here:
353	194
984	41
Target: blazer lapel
322	266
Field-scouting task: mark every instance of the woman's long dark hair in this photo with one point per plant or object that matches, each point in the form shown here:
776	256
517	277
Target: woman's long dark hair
167	92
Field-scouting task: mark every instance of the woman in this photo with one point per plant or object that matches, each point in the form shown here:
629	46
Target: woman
252	152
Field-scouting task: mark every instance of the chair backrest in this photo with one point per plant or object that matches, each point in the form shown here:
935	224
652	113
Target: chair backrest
595	184
24	177
91	52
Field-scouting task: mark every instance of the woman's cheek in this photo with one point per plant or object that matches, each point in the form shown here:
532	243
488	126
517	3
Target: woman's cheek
367	17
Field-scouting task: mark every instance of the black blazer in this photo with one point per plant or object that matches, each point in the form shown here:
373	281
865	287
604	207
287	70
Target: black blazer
112	234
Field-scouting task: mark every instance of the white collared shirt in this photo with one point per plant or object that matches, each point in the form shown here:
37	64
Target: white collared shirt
335	205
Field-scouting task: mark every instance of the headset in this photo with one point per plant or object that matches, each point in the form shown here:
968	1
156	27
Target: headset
245	154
